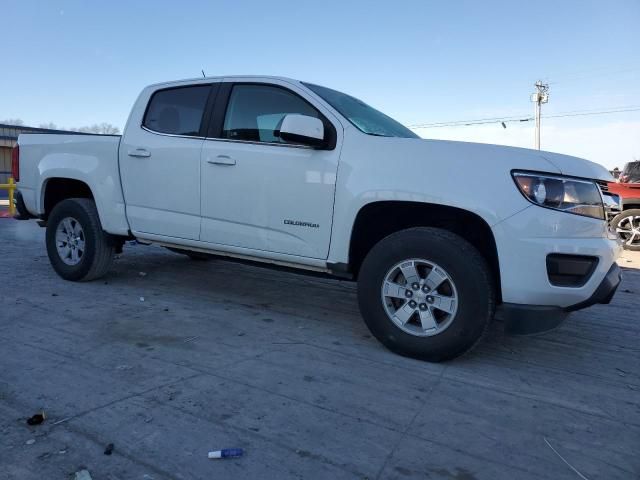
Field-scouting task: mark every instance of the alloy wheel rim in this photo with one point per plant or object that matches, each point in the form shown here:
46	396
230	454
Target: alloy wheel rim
70	241
419	297
628	230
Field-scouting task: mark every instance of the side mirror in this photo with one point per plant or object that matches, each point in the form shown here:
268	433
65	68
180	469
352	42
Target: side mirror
302	129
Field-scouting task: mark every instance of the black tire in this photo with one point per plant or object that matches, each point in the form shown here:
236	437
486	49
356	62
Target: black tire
197	256
631	215
468	271
99	247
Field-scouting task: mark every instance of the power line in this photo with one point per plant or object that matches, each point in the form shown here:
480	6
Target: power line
468	122
525	118
593	113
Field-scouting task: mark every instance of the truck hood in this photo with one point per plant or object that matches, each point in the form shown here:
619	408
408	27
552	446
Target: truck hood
524	158
578	167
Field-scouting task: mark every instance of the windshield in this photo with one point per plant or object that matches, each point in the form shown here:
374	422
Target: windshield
365	118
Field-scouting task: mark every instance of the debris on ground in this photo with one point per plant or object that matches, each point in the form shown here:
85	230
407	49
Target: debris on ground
142	299
565	461
31	441
142	274
36	419
109	449
226	453
82	475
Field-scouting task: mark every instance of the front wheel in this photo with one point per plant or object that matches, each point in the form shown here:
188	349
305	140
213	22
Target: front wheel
627	226
426	293
78	248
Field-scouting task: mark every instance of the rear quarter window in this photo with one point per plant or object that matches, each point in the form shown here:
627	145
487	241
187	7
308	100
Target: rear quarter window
177	111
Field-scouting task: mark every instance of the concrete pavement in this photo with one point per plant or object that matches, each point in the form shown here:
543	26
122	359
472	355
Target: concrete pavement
199	356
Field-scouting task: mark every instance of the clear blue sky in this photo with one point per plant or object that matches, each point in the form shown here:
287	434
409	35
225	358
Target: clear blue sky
76	62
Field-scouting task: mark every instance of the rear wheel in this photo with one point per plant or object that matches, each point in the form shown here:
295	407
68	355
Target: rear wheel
426	293
627	226
78	248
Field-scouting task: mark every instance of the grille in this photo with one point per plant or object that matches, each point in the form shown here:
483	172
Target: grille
603	184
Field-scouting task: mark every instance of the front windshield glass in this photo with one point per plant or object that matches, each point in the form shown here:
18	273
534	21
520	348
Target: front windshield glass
365	118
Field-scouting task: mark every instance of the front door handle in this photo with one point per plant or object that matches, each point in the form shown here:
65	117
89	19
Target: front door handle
139	153
222	160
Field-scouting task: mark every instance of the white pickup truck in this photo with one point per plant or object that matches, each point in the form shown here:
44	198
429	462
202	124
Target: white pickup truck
438	234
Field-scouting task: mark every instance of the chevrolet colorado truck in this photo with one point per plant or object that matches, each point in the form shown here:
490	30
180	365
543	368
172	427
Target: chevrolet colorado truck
627	223
437	234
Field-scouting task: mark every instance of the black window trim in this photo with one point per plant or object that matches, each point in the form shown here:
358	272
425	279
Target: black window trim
219	113
214	88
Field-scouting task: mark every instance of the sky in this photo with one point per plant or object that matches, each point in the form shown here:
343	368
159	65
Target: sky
79	62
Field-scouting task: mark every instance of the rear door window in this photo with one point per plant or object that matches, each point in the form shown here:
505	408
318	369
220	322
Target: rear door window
177	111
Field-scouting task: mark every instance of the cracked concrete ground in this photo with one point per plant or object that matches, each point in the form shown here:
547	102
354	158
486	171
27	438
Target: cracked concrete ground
221	354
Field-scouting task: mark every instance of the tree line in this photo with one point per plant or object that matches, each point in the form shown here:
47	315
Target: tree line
99	128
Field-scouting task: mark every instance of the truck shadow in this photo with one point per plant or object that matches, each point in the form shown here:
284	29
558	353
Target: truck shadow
263	291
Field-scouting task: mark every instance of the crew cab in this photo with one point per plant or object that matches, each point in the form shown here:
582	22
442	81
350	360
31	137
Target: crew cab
437	234
627	223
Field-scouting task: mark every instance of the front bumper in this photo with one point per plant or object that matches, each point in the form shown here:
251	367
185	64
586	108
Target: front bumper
522	319
535	301
525	241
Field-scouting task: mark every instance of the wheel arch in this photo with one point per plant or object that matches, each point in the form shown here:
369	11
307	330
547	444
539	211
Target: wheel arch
630	203
56	189
376	220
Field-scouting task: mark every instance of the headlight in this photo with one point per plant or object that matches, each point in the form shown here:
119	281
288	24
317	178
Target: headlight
581	197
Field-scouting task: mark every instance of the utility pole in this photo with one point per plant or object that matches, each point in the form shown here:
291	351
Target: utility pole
539	97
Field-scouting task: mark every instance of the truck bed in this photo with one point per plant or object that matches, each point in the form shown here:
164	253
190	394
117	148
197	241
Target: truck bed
87	158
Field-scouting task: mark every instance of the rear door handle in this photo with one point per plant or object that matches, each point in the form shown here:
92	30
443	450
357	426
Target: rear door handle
139	153
222	160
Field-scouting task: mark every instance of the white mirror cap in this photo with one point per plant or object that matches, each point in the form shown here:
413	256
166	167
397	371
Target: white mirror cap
302	125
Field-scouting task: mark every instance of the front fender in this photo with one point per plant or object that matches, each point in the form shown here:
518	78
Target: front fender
470	177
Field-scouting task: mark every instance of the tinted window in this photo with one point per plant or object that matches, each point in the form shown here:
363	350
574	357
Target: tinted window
365	118
255	112
177	111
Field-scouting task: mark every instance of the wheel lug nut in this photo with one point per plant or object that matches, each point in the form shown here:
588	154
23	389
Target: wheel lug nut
429	299
413	304
408	294
415	285
425	289
423	306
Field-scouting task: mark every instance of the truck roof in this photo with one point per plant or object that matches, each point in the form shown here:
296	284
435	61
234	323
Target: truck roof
221	77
